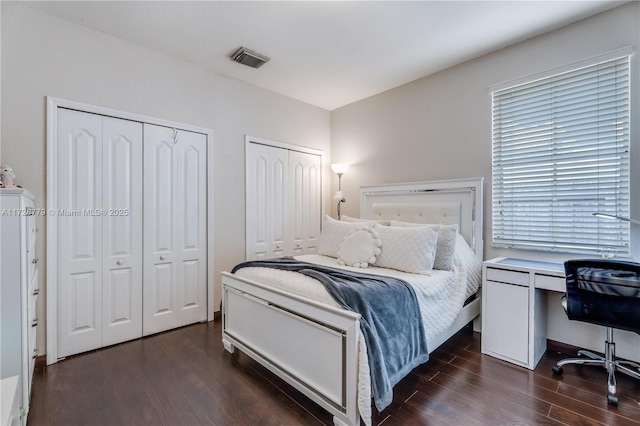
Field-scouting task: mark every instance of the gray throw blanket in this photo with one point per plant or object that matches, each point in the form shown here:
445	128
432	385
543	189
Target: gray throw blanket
390	319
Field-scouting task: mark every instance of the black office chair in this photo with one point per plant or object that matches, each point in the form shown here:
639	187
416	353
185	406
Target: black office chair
604	292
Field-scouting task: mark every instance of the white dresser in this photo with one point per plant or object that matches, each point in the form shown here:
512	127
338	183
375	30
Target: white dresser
19	292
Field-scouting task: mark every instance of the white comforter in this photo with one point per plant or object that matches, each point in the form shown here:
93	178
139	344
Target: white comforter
440	296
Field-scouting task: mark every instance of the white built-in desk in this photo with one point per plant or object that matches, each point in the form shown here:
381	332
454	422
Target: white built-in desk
514	317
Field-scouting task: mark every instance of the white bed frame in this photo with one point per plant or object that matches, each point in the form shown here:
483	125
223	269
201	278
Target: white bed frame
313	346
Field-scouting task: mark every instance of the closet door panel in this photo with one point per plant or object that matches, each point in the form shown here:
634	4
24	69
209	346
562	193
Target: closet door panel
163	185
313	219
277	196
161	300
190	292
298	203
191	225
79	246
266	201
259	207
160	307
122	230
257	177
119	310
192	188
306	212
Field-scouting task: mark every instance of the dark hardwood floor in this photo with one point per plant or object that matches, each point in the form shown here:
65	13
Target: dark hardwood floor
185	377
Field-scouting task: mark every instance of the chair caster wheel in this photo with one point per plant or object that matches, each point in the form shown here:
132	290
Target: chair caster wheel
612	400
557	370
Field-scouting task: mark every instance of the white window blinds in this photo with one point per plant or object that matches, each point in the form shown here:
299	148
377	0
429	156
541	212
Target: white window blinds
560	154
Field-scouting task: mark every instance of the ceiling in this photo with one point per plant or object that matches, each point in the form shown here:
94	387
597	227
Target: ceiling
326	53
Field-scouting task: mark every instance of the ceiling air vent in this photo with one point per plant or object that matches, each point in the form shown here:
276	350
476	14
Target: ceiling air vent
249	58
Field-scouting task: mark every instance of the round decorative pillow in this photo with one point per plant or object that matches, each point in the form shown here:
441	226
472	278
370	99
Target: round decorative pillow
359	248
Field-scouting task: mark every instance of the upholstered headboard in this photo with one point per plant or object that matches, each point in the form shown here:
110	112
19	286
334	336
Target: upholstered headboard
457	201
447	213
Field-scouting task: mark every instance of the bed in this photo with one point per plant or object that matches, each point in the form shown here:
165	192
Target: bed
288	323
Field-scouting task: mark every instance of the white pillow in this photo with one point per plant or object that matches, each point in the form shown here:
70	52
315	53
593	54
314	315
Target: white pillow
333	232
446	246
407	249
345	218
359	248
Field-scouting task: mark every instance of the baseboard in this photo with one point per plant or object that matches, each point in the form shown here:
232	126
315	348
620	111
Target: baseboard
563	348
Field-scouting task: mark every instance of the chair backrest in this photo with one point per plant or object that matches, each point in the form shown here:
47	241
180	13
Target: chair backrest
604	292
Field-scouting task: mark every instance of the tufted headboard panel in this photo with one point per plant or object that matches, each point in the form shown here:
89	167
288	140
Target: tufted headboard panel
457	201
447	213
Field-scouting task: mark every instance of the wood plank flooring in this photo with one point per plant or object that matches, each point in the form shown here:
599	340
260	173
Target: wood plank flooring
185	377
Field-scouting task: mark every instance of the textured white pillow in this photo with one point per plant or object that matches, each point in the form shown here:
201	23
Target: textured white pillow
333	232
346	218
446	246
407	249
359	248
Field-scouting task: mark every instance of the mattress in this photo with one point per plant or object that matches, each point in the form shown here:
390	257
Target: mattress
440	295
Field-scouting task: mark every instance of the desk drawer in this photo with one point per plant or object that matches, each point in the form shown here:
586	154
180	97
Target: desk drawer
547	282
509	277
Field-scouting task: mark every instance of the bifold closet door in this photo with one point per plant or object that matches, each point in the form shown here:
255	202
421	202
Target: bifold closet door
121	231
305	189
175	231
266	201
99	250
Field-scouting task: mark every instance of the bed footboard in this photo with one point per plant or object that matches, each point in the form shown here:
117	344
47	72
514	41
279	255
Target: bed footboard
310	345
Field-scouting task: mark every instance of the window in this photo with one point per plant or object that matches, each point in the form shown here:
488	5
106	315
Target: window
560	154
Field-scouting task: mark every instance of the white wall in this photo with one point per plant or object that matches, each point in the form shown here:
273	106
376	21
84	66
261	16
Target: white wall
439	127
46	56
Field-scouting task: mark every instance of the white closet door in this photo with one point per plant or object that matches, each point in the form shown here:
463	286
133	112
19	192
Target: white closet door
174	281
192	227
79	245
306	214
266	201
122	230
99	186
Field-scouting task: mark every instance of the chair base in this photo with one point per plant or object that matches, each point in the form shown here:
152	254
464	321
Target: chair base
607	361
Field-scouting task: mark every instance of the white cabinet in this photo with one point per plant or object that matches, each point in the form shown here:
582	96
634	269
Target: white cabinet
514	325
120	277
283	200
19	293
505	326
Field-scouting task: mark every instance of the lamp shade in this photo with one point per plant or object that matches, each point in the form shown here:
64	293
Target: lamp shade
339	168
